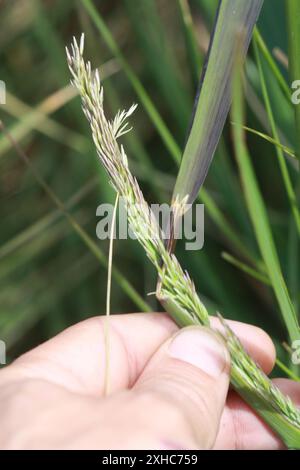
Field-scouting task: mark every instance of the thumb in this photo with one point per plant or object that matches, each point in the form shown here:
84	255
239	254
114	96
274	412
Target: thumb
185	385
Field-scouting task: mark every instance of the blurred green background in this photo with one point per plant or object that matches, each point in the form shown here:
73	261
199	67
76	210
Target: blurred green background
50	275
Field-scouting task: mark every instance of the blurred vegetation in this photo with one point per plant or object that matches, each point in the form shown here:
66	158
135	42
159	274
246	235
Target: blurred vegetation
53	273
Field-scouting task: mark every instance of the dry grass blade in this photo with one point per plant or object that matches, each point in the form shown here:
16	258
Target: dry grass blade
108	295
177	291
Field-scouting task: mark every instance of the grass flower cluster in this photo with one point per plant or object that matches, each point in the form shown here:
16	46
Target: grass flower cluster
176	290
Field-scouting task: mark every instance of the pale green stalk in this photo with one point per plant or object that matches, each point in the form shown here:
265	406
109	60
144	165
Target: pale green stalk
108	295
176	290
287	371
270	139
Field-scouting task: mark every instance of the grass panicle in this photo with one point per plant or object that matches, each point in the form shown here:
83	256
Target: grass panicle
177	291
175	283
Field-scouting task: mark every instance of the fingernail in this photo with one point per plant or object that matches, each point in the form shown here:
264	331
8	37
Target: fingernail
201	348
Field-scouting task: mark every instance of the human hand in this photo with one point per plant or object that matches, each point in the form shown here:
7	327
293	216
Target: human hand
168	389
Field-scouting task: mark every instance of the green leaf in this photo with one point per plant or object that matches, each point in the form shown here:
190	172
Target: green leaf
213	104
287	371
289	433
259	217
272	64
293	14
281	160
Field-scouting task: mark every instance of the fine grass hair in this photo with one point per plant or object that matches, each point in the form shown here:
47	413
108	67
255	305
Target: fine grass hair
176	290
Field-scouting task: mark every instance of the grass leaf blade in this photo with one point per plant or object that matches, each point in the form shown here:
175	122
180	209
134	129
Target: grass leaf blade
259	217
213	101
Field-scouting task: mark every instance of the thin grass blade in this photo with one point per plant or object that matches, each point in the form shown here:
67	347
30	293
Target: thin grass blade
270	139
259	276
